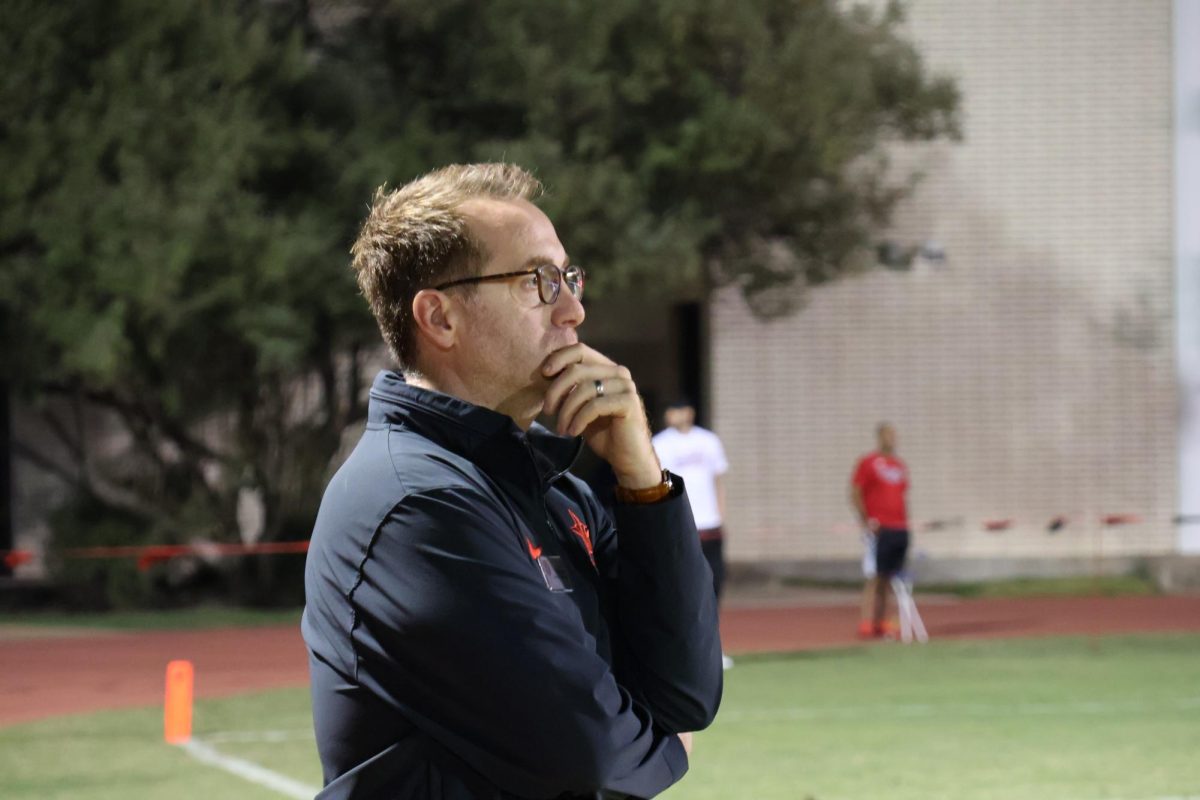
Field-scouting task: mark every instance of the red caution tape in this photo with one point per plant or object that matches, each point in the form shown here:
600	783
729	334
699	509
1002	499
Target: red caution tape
16	558
149	555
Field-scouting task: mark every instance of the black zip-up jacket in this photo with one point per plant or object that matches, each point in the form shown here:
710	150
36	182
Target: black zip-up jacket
477	628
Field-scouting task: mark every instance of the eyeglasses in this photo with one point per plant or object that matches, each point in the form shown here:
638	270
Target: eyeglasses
550	278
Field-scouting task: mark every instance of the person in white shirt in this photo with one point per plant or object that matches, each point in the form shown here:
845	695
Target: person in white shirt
696	455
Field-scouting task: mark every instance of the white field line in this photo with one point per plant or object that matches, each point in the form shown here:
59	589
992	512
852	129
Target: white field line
938	711
207	754
203	752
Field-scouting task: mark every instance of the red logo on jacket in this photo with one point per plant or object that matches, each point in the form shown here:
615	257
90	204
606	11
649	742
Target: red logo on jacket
580	529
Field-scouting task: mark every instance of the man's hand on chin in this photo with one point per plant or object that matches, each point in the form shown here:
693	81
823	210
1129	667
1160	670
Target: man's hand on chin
596	398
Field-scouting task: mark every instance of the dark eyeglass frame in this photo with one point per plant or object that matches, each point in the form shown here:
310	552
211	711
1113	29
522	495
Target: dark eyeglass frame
548	288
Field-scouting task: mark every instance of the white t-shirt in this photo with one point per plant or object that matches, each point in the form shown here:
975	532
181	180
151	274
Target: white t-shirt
698	457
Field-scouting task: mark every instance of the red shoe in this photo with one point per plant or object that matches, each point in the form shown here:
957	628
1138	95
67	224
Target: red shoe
866	630
887	630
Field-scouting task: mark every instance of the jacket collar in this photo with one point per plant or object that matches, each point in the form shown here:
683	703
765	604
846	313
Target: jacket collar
487	437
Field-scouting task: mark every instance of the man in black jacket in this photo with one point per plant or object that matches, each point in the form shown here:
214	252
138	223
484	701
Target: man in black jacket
477	627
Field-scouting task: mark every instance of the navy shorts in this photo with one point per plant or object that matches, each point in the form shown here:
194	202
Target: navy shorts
711	544
890	549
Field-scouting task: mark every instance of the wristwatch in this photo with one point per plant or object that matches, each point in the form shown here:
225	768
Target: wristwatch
642	496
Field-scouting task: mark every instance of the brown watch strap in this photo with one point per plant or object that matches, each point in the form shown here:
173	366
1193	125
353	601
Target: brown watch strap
650	495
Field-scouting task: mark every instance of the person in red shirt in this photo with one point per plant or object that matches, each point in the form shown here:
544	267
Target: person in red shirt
877	491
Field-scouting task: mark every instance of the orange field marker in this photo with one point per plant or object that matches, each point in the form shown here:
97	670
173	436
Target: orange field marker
177	708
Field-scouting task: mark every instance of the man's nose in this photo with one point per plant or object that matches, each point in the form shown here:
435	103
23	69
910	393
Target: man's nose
568	310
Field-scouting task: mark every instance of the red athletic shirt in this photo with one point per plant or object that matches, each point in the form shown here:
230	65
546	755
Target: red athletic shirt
883	481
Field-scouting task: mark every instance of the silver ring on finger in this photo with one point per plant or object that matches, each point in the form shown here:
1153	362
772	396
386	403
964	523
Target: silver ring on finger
599	388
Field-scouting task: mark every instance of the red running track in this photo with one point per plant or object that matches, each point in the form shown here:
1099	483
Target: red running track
77	672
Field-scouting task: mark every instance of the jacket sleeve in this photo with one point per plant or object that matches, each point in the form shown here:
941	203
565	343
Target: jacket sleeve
456	628
667	612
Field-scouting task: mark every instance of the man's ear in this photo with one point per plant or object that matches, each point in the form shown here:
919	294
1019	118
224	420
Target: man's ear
436	318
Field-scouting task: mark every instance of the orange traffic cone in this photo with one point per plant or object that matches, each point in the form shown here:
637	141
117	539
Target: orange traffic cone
177	708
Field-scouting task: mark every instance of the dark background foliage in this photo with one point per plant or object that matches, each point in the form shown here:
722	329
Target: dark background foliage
183	181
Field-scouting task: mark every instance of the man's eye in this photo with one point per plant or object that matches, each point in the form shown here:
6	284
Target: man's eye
529	282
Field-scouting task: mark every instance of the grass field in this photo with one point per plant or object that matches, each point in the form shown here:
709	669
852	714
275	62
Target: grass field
1051	719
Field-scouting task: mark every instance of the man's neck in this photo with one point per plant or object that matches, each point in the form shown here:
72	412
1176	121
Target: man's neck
520	408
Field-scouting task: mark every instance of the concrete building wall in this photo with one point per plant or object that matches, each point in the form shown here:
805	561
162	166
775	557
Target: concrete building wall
1032	374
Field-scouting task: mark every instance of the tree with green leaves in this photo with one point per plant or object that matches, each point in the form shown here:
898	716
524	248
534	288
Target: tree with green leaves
173	230
687	143
183	180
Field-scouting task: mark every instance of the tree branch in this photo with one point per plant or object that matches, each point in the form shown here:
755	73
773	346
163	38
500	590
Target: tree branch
75	449
109	494
152	414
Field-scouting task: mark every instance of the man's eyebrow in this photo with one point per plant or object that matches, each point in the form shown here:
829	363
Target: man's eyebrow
537	261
